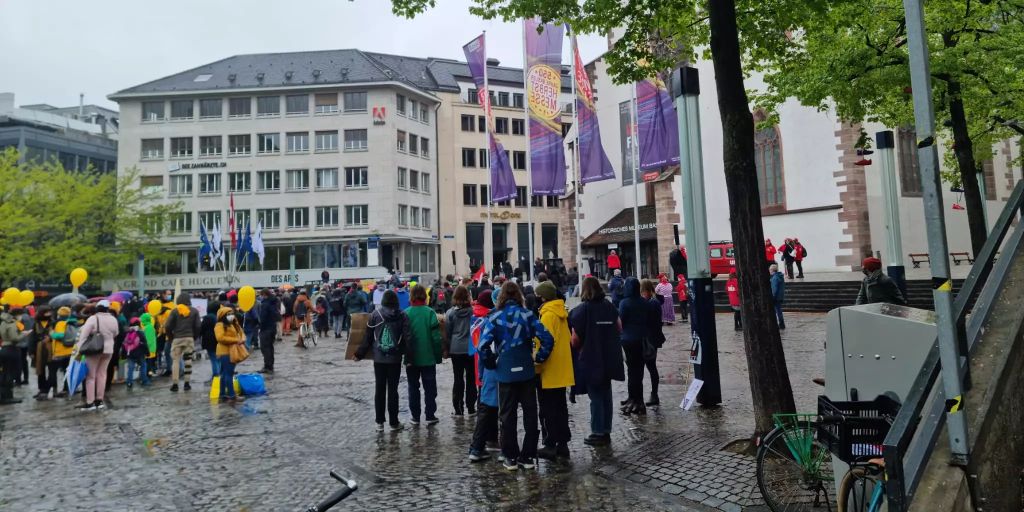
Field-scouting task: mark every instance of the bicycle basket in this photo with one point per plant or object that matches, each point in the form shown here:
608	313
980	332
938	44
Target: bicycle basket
862	433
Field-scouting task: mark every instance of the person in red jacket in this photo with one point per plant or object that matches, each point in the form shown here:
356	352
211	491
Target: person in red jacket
732	286
769	251
799	253
684	296
613	263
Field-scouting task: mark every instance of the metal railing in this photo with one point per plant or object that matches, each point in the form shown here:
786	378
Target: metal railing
911	440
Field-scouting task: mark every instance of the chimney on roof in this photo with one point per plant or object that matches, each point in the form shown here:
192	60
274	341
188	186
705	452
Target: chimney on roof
259	77
344	73
316	74
232	77
288	75
491	61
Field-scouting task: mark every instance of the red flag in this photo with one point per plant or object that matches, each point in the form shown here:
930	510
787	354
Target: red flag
234	245
479	274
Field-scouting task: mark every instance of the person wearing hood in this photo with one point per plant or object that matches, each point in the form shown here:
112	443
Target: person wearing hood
303	316
769	251
613	263
386	333
149	332
106	325
183	327
485	433
42	326
458	321
63	335
424	346
595	340
10	355
506	345
634	312
778	283
134	350
615	287
355	302
876	286
270	314
209	338
251	327
556	375
228	332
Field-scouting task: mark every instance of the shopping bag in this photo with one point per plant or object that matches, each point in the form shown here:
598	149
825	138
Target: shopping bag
251	384
75	374
215	388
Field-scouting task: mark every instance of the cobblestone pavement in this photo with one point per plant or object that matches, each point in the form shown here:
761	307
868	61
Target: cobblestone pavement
155	450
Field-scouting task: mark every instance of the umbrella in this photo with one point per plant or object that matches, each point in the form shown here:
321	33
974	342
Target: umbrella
97	299
124	295
75	374
66	299
286	286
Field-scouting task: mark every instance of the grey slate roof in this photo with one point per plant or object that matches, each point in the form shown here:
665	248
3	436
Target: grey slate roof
349	66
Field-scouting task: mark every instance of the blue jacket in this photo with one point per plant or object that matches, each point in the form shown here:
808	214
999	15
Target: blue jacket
615	289
778	287
403	299
269	314
251	321
599	357
634	311
488	378
509	333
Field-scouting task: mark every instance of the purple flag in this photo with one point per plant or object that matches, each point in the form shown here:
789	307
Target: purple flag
594	163
503	183
656	125
543	77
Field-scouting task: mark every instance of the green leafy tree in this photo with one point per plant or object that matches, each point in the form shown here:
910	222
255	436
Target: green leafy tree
55	219
656	35
852	55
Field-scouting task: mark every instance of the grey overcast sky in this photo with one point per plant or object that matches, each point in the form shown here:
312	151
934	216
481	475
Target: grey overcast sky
52	50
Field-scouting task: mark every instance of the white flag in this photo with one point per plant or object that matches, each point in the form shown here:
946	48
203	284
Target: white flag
215	241
257	242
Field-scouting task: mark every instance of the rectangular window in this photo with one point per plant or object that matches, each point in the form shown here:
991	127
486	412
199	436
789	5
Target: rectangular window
502	99
268	106
356	177
468	157
426	219
537	201
298	218
910	172
403	175
424	147
327	141
239	144
520	196
357	215
424	113
239	181
241	220
481	123
468	123
475	243
473	96
549	240
152	111
414	216
519	160
484	198
181	147
483	158
517	100
326	103
326	216
152	149
355	102
182	109
209	183
211	108
414	110
414	180
268	181
240	107
151	184
400	104
180	185
469	195
181	223
355	140
327	178
403	215
425	182
269	143
212	145
297	104
297	179
209	219
298	142
270	217
501	125
518	127
400	141
414	144
552	201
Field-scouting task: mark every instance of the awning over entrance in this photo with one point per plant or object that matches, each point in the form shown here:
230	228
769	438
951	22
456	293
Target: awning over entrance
619	229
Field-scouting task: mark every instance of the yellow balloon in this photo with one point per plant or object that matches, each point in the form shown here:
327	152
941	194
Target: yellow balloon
26	297
246	298
3	301
78	276
154	307
12	295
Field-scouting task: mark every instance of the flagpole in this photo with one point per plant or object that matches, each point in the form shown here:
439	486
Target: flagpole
488	226
636	177
529	171
576	154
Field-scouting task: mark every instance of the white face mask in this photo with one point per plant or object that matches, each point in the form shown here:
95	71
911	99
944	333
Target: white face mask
230	318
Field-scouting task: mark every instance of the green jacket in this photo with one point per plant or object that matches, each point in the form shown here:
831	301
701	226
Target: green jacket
424	348
9	334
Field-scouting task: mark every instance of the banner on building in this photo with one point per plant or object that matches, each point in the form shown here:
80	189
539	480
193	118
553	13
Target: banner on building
656	125
503	183
594	163
543	77
626	143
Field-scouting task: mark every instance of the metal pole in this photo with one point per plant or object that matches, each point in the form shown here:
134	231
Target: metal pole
935	222
488	227
686	90
575	156
636	177
885	142
140	275
984	202
529	170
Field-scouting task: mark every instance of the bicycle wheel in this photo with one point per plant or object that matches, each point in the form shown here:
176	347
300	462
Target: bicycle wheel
794	469
861	491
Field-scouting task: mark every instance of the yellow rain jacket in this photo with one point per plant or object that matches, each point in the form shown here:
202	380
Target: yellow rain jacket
556	371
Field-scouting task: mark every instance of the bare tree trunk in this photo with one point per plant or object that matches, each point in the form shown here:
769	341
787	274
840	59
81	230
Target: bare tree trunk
769	378
963	149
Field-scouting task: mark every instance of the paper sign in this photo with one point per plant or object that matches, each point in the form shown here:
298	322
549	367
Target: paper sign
695	349
201	305
691	394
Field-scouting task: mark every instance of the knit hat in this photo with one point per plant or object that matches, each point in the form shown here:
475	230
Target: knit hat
546	290
64	311
484	299
871	264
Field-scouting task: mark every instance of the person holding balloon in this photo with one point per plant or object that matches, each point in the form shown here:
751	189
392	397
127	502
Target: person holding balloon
228	332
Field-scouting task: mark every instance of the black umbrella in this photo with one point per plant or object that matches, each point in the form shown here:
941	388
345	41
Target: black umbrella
67	299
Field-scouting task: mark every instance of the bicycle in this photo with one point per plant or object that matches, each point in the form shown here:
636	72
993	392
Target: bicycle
794	460
308	334
337	496
863	487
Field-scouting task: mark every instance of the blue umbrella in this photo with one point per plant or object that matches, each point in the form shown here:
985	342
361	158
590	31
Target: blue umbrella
75	374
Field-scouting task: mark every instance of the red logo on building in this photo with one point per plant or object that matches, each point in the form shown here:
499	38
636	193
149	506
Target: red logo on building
379	113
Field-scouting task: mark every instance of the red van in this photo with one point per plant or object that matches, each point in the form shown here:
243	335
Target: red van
722	256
